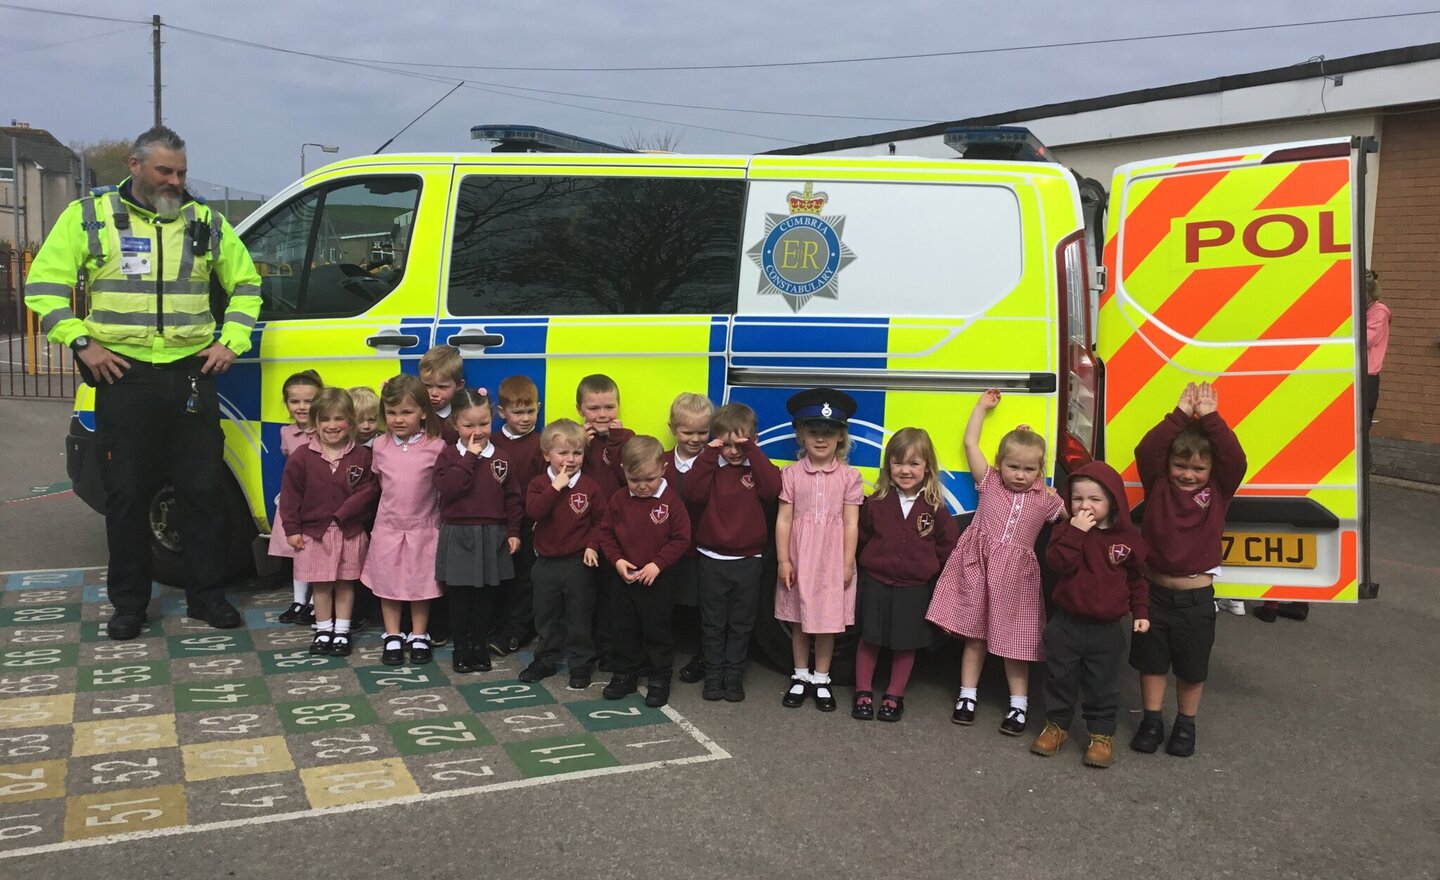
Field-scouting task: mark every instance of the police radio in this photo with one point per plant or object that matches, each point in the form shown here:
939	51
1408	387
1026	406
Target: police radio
199	235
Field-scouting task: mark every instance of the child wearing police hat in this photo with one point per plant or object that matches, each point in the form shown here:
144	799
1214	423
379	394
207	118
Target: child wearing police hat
816	534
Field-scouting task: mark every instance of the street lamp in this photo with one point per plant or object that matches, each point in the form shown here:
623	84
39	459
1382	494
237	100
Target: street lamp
227	198
324	148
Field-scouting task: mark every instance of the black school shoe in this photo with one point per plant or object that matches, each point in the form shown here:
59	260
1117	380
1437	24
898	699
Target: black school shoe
863	707
420	650
657	694
125	625
734	686
795	696
694	671
340	645
892	708
292	614
393	656
1014	723
714	690
1294	610
217	612
964	711
621	686
1149	737
320	645
307	617
580	678
536	671
1182	741
824	697
462	660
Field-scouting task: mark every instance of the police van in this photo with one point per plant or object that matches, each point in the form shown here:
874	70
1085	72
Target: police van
913	284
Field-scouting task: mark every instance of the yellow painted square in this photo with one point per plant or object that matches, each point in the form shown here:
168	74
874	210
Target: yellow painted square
124	812
124	735
36	711
266	754
356	783
36	781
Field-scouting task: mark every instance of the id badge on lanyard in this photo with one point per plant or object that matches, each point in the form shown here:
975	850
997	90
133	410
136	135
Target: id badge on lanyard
134	255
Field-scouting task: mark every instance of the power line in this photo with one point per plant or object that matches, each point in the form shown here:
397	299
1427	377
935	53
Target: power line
1066	44
39	11
73	40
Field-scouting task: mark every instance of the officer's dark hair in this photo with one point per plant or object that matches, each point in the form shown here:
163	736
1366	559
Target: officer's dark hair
159	136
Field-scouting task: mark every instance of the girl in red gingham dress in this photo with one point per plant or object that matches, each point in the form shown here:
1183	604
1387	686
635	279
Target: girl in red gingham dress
989	591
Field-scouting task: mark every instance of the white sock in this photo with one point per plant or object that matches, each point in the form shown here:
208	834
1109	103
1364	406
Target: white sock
394	639
1021	703
301	591
802	674
322	626
342	625
424	637
820	678
968	694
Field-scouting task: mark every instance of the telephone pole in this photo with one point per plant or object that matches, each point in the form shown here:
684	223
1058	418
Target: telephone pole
155	50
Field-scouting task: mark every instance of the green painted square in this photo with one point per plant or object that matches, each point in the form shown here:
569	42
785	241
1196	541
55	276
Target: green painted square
375	679
504	695
416	737
41	615
597	715
40	659
122	674
94	630
564	754
313	715
298	660
215	695
211	644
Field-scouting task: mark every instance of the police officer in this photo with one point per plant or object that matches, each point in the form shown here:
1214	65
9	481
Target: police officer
148	249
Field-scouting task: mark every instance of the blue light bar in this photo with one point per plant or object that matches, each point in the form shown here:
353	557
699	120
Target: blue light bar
534	139
1013	143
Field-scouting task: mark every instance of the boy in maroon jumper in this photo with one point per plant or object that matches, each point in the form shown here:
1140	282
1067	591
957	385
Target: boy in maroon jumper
567	508
645	531
736	483
690	416
1191	465
519	442
597	400
1098	556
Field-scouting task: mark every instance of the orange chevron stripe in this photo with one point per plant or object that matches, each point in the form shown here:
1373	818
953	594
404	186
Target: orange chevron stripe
1108	260
1318	449
1310	183
1150	222
1349	571
1203	293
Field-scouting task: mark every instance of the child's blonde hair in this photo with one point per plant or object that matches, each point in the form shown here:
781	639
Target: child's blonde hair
912	441
1024	438
639	451
518	391
444	361
333	401
734	418
688	403
403	387
562	429
842	445
366	401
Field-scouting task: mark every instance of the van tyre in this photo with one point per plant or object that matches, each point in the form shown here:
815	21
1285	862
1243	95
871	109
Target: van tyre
167	564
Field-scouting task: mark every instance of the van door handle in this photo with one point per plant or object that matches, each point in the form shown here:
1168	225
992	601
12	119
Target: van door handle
484	339
392	340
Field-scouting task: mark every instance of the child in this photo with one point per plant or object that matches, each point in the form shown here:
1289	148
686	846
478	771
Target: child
1191	465
329	491
644	533
597	400
400	568
816	533
1098	556
690	416
519	443
732	484
989	591
566	506
367	414
906	534
299	392
443	372
480	513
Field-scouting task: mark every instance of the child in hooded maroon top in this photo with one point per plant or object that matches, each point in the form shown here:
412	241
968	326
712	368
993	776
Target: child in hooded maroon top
1098	556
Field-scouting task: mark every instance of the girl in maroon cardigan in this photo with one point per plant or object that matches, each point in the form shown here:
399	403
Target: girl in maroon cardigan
480	513
328	494
906	534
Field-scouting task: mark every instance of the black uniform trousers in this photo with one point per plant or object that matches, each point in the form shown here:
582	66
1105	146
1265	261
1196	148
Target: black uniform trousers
564	608
1082	660
520	590
640	626
148	435
729	597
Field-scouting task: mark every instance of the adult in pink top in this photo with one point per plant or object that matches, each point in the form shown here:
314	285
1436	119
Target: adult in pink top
1377	340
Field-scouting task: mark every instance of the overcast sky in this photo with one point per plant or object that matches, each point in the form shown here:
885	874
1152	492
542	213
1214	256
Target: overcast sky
245	111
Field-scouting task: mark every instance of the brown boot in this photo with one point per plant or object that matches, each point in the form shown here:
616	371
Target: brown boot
1101	752
1050	740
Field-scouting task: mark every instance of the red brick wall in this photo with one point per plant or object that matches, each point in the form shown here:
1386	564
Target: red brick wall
1406	253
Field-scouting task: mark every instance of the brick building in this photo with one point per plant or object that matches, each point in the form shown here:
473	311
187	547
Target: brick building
1393	96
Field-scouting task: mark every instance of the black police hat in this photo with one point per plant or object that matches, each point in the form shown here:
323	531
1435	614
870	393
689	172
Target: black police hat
825	405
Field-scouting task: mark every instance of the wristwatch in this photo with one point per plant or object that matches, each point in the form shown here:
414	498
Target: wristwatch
79	344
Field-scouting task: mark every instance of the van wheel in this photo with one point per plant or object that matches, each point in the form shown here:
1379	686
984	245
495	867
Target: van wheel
168	566
772	638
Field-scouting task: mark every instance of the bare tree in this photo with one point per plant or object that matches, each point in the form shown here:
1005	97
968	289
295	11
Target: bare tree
666	141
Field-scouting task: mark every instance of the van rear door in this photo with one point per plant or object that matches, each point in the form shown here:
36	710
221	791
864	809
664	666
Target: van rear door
1242	268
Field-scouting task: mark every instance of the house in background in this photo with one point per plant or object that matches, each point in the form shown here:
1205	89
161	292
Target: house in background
39	176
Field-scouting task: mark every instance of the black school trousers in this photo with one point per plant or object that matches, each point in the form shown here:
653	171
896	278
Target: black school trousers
564	608
1082	664
640	626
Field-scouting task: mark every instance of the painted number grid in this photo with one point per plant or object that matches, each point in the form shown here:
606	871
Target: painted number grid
189	728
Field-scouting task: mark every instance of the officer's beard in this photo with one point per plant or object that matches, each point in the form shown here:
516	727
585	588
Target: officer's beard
166	205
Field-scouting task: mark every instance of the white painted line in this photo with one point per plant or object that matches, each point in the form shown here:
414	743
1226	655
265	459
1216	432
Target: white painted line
652	742
53	570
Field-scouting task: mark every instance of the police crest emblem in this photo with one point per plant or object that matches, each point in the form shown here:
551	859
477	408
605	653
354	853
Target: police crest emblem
660	514
500	468
802	252
579	502
925	524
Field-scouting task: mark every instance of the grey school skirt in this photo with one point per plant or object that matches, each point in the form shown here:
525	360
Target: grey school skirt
894	617
476	556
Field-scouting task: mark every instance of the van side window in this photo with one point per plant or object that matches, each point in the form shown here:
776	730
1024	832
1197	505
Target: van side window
335	251
595	245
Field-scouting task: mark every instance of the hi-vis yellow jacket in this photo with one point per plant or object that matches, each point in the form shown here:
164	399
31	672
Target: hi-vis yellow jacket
148	280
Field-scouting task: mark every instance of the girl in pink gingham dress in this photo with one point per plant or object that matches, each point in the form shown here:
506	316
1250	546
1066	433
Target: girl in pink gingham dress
989	591
400	568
